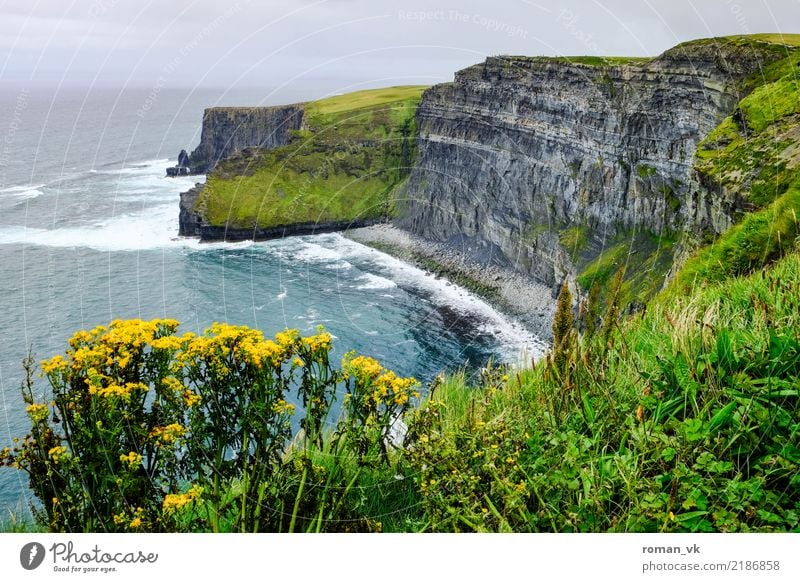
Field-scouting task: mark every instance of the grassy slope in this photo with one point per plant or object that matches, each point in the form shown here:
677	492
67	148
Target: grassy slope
686	419
356	148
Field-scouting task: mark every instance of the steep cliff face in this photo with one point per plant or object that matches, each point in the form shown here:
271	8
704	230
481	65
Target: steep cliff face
548	164
228	129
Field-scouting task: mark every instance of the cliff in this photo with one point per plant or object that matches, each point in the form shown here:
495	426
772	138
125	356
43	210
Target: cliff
299	169
229	129
568	168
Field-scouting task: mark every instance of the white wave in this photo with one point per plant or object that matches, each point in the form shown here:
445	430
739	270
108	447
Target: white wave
375	282
24	194
152	167
155	226
515	340
314	253
282	295
24	188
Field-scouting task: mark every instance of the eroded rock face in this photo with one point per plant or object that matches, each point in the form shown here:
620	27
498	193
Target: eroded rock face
517	150
189	221
229	129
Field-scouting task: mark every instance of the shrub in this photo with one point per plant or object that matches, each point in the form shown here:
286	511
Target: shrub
148	430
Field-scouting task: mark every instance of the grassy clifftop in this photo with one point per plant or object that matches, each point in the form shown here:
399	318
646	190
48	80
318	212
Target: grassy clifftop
753	158
352	151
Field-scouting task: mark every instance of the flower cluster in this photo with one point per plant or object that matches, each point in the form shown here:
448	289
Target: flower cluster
134	522
283	407
117	390
176	501
58	454
378	385
37	412
137	391
168	434
132	459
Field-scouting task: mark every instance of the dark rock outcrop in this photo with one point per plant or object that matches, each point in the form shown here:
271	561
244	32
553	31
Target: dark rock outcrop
189	221
182	169
229	129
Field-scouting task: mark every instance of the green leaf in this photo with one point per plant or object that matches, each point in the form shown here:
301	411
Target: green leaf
725	358
722	416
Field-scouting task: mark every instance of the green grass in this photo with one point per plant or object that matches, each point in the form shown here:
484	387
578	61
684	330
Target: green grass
646	258
603	61
772	102
682	420
776	38
343	166
361	99
574	239
760	238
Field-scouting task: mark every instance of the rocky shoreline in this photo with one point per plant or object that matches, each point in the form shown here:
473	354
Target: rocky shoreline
512	293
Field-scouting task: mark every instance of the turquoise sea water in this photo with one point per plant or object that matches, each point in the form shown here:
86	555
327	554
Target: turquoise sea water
88	233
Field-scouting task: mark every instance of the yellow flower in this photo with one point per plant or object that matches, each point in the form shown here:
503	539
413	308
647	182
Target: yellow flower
191	399
172	383
320	342
54	364
362	367
118	391
175	501
58	454
287	338
136	522
133	459
283	407
37	412
169	342
168	434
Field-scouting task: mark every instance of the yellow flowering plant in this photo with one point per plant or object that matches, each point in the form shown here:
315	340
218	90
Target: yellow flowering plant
377	399
149	430
240	424
91	447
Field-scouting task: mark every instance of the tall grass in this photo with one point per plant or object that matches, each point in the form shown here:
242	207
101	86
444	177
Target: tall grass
685	418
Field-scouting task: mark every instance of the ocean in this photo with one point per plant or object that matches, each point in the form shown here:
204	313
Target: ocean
88	233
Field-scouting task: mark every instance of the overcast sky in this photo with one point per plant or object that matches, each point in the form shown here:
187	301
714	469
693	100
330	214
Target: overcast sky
340	44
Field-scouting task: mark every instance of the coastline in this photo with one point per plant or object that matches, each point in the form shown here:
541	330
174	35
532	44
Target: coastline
530	303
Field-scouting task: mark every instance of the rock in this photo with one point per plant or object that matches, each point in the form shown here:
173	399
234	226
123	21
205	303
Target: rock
519	149
189	223
177	171
230	129
183	159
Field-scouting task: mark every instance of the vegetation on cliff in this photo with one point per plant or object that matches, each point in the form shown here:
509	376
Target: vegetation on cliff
342	166
750	158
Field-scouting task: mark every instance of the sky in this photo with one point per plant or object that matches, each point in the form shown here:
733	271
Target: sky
325	46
